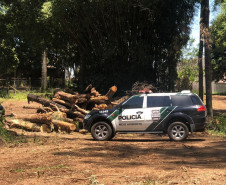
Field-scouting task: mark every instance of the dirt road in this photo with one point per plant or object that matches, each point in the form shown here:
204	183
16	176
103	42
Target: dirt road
127	159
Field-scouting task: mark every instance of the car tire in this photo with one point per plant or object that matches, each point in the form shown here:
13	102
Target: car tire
177	131
112	135
101	131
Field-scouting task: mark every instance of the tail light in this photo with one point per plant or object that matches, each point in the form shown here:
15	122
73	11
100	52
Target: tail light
201	108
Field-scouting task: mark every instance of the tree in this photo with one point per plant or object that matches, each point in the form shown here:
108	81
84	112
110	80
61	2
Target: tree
125	41
208	67
187	67
218	33
200	56
107	42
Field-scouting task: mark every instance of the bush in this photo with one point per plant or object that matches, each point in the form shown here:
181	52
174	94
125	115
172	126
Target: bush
218	124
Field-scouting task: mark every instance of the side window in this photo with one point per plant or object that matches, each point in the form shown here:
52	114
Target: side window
158	101
136	102
181	100
196	100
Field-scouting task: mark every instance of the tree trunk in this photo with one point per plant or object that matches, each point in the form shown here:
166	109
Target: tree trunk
44	71
200	57
208	67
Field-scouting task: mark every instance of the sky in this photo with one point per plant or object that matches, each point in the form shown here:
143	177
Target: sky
195	23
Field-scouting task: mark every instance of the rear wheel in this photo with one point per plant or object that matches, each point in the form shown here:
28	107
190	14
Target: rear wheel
177	131
101	131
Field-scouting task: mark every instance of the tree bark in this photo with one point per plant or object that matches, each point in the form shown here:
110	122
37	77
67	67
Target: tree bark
208	66
44	71
200	57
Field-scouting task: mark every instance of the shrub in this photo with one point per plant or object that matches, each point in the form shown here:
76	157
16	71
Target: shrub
218	124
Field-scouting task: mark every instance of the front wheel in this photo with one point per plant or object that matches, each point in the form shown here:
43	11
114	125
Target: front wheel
101	131
178	131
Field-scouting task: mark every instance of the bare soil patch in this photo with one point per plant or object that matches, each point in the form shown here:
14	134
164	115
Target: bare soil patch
127	159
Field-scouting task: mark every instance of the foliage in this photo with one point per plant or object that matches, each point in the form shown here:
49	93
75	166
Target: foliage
218	31
218	125
187	67
105	42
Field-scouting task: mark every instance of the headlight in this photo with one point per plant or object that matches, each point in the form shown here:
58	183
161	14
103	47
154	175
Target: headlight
87	116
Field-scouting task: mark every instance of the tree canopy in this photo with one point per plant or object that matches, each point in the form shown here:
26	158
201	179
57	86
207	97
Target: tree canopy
106	42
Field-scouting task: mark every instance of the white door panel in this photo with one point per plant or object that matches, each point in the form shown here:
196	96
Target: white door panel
131	120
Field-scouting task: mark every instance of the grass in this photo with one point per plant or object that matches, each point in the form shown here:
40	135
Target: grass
22	95
223	93
46	168
6	135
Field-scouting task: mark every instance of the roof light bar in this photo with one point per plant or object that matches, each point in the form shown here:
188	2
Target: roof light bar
185	91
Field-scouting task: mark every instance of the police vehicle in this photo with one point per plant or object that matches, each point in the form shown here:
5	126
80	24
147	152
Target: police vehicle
175	114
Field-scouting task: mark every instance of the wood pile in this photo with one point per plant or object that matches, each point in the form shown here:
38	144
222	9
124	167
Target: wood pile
64	112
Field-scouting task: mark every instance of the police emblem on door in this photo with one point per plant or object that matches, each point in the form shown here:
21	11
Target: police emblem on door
155	115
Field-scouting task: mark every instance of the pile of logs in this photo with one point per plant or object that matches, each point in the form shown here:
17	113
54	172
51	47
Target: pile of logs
65	112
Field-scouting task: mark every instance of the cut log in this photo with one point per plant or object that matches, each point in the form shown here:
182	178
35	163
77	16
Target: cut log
111	92
100	107
24	124
44	110
44	102
82	96
63	102
94	92
99	100
73	113
36	118
45	128
66	96
81	100
65	125
81	110
31	107
61	116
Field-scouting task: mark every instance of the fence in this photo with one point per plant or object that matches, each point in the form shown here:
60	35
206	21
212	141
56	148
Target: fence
216	87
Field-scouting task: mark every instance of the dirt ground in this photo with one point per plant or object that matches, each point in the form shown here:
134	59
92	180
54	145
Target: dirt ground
127	159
